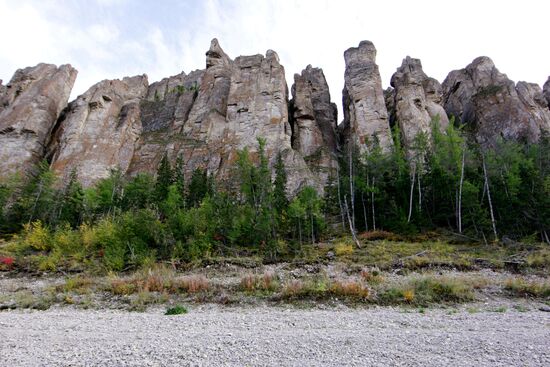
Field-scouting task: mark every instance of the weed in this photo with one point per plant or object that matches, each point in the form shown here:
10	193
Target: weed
176	310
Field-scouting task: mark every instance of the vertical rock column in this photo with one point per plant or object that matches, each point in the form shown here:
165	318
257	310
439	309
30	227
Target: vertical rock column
314	120
365	113
416	102
29	107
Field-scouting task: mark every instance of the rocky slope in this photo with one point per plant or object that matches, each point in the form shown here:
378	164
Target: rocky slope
207	116
29	106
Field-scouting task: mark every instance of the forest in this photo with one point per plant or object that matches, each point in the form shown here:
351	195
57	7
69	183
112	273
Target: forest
446	183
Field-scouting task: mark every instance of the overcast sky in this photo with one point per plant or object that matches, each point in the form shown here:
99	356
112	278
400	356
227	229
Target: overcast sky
107	39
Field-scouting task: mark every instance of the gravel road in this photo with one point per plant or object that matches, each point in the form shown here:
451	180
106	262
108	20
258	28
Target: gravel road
212	335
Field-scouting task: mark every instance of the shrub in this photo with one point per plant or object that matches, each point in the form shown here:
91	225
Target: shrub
177	310
37	236
427	290
343	249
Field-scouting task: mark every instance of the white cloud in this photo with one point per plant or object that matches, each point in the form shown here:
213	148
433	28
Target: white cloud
102	40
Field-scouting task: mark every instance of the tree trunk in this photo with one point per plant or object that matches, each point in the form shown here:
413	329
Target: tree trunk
351	191
340	199
364	211
489	196
372	205
411	194
460	192
351	228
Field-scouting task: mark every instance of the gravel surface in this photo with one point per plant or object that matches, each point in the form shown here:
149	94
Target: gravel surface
275	336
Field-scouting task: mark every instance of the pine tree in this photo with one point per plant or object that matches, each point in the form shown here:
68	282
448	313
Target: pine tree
165	178
280	200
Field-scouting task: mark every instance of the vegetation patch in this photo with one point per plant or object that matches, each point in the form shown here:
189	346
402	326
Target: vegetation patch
176	310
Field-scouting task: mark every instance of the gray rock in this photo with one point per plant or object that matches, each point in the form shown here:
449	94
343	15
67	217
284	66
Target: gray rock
365	113
99	130
546	91
493	106
416	102
314	120
29	107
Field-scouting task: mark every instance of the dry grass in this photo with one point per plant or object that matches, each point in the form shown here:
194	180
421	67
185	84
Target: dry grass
266	282
371	276
160	280
524	288
349	289
378	235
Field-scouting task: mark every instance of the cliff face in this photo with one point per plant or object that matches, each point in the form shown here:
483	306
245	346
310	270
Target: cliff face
492	105
207	116
314	122
99	130
365	113
416	101
29	106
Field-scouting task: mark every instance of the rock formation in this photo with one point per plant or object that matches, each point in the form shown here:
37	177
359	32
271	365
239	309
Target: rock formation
217	112
546	91
416	101
314	122
207	116
29	106
99	130
365	113
493	106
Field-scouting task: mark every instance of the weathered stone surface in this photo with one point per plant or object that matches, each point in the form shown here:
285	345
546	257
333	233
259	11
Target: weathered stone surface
29	106
164	112
546	91
314	121
365	113
99	130
233	104
416	101
493	106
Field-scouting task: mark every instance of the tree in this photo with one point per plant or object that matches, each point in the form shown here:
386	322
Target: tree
198	188
280	200
165	178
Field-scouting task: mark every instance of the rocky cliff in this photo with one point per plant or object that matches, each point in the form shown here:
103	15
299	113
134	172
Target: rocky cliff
314	122
415	102
99	130
207	116
492	106
365	113
29	106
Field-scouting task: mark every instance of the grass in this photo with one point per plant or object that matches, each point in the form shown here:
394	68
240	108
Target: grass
520	287
176	310
159	279
427	290
265	283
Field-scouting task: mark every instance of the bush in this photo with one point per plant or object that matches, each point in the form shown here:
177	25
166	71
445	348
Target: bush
177	310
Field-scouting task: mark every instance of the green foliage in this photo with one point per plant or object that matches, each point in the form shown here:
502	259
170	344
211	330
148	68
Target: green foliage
165	178
176	310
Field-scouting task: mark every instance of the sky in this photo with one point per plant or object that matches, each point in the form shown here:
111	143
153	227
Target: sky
107	39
